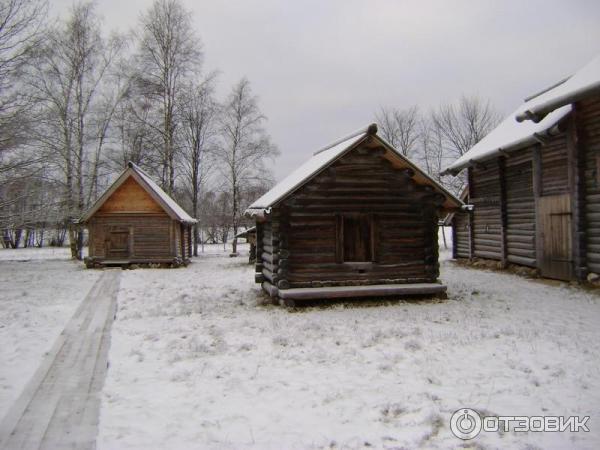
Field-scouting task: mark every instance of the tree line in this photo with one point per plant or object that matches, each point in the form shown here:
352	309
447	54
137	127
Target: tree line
77	103
436	138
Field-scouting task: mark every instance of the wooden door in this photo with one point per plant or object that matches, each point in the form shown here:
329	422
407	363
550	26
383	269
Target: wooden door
118	243
555	226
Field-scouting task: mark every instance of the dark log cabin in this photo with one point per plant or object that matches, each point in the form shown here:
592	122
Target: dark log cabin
136	222
534	183
356	220
250	236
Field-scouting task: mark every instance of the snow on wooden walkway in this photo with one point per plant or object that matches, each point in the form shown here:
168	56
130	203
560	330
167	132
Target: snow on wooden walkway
59	407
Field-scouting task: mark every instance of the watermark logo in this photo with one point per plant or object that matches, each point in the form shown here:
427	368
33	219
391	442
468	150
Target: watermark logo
467	423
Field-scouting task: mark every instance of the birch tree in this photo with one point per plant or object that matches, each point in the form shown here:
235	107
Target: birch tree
169	53
66	81
244	147
197	113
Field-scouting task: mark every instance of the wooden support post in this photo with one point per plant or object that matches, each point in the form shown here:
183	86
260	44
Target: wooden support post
576	161
190	233
259	249
471	221
537	193
453	225
503	212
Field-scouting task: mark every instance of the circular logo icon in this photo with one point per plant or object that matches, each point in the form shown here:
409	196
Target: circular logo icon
465	423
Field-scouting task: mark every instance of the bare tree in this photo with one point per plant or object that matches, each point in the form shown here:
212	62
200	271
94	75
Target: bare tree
169	52
465	124
21	30
197	113
244	147
400	128
66	81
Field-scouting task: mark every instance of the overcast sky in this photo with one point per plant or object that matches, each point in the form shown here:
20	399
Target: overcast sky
322	68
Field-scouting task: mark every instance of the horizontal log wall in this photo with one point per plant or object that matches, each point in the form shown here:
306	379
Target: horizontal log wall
588	115
151	234
485	195
555	174
404	226
461	244
520	208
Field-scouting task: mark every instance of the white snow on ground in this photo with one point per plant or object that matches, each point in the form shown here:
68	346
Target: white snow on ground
38	296
34	253
197	361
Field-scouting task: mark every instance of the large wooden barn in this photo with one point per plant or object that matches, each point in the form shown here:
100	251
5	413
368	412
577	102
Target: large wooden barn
136	222
356	220
534	184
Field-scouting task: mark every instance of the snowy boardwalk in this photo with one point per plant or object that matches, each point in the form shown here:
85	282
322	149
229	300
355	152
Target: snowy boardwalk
59	407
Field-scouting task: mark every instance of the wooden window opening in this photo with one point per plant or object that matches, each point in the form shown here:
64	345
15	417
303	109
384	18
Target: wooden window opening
355	238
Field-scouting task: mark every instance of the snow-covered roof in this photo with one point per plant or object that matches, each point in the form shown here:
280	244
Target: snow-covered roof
162	198
534	118
320	159
326	156
581	84
508	136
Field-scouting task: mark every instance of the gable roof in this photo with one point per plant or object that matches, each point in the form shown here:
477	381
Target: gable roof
175	211
584	82
326	156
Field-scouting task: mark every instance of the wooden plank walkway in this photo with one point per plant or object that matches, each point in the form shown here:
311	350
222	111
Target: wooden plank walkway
59	407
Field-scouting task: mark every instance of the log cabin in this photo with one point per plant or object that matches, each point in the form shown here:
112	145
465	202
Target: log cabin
534	184
250	236
356	220
136	222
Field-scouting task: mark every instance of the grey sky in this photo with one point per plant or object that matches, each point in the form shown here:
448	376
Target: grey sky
322	68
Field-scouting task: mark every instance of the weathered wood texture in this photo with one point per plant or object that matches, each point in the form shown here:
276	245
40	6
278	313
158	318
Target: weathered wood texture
555	175
130	197
520	209
485	195
461	235
588	115
148	235
395	219
555	225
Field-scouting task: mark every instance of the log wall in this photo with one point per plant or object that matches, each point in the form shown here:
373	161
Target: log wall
301	239
460	235
520	209
588	114
485	195
150	234
554	159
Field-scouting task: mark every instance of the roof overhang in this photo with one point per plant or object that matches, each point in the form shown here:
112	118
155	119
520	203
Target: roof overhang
261	208
538	112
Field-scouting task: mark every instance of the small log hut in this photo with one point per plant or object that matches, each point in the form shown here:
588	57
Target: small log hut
250	236
136	222
534	184
356	220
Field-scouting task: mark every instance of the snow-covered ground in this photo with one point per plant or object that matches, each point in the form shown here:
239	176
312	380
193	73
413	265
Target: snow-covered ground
38	295
198	361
